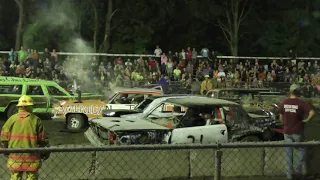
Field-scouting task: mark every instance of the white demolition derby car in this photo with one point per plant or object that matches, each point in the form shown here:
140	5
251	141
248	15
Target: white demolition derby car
191	120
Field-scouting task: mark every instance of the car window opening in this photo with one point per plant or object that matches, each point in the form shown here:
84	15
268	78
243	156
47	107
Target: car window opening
35	90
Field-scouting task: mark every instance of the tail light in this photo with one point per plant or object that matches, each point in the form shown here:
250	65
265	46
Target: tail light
112	137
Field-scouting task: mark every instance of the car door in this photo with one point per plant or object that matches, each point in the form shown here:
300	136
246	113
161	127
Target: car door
200	134
39	96
56	93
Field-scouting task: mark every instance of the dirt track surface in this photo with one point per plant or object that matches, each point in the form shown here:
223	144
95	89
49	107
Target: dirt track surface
59	135
56	132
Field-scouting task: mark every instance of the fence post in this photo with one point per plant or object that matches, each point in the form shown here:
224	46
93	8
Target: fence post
218	161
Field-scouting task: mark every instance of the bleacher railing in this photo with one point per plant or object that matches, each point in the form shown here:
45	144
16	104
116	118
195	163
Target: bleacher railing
152	55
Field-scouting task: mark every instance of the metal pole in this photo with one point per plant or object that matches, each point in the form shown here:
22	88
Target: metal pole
218	161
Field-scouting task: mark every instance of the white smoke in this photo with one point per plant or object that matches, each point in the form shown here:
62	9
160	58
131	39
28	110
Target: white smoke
63	18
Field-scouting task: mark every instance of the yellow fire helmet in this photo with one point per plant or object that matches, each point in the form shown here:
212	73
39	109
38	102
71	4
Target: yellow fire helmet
25	101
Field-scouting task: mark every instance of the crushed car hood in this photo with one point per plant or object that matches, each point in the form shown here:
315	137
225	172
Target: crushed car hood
118	112
257	115
122	124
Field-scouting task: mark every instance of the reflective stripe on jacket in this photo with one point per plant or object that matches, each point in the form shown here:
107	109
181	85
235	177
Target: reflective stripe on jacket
24	130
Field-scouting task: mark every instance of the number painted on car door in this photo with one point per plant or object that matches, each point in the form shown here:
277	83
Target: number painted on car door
200	134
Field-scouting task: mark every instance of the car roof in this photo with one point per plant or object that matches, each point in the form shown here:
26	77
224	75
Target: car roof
240	89
142	90
170	95
201	102
17	80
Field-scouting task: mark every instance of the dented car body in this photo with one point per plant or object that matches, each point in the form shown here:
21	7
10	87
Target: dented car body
146	106
76	113
44	94
206	120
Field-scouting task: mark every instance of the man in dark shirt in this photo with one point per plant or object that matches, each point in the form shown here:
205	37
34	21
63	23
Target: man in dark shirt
292	113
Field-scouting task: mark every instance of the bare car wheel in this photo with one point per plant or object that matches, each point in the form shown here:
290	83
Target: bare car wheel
75	122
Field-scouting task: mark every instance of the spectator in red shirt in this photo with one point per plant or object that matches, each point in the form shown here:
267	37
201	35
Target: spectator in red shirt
292	112
189	55
118	61
153	65
20	68
181	66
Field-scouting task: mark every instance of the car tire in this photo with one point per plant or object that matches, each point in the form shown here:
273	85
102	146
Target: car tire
13	109
267	135
250	139
75	122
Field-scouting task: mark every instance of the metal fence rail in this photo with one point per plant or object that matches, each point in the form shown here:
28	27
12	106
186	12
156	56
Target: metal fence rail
152	55
218	161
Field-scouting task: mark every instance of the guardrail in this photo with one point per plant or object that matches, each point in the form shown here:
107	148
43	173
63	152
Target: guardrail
152	55
255	160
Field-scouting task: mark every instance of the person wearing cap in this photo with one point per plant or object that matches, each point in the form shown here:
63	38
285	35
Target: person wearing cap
292	112
206	85
24	130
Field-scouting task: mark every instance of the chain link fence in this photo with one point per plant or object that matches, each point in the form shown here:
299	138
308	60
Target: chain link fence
218	161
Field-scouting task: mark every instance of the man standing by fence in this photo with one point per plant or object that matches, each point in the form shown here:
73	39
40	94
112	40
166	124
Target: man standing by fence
24	130
292	113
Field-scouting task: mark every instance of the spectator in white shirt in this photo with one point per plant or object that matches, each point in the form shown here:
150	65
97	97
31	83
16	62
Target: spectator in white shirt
128	63
183	55
157	51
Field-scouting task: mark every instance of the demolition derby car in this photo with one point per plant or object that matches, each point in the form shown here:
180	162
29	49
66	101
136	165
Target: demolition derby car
254	100
169	89
76	113
146	106
206	120
44	94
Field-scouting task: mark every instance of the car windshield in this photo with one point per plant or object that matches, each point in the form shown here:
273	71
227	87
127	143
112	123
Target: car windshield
143	105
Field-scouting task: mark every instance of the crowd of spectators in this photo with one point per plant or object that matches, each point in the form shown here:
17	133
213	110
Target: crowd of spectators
197	71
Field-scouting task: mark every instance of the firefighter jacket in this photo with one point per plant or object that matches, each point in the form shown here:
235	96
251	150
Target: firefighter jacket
206	86
23	130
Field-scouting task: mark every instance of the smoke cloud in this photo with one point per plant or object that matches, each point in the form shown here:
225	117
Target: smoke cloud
61	21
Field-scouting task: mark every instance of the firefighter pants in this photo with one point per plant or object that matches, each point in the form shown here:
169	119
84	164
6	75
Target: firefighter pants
18	175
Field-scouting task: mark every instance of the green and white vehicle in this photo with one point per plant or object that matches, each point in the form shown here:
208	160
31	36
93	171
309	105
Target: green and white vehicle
44	94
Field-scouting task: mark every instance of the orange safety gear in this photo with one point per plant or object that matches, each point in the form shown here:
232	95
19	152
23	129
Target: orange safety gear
24	130
25	101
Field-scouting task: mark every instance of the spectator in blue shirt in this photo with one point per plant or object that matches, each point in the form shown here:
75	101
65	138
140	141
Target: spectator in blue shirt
164	82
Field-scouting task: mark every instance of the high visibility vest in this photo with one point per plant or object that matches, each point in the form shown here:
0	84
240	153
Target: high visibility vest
24	130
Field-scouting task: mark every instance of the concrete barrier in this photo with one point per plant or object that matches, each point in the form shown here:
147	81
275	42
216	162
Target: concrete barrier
242	162
276	163
202	163
168	164
4	173
71	165
235	162
313	161
142	165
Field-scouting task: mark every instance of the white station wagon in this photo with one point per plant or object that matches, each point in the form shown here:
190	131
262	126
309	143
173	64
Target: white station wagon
205	120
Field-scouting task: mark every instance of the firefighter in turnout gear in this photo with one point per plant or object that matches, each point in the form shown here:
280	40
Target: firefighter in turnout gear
24	130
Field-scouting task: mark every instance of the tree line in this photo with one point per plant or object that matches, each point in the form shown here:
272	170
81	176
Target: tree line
232	27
